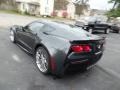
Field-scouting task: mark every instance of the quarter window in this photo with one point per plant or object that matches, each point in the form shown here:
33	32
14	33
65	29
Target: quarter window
35	27
47	28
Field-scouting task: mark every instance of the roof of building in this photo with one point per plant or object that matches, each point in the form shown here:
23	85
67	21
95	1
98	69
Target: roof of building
29	2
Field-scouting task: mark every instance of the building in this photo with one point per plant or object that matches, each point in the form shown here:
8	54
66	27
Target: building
28	6
46	7
61	8
96	12
36	7
64	8
71	10
7	5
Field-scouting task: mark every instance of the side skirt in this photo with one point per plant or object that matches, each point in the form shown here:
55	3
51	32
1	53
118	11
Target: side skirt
24	49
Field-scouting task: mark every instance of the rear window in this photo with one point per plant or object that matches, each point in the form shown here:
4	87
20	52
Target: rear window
47	28
67	30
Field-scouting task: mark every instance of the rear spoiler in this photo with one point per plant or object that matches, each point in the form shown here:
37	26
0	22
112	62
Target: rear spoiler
101	40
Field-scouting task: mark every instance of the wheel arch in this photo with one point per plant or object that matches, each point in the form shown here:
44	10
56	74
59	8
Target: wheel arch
40	45
52	62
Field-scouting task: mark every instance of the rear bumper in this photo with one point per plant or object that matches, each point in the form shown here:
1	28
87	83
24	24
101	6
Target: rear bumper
100	28
86	61
77	63
86	27
80	59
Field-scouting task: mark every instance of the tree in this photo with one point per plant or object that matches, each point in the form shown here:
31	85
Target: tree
115	11
116	3
9	2
2	1
60	4
81	5
81	1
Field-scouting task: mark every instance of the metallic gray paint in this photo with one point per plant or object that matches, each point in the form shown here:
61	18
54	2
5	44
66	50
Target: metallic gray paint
57	45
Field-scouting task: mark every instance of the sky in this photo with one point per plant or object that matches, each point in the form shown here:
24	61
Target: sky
100	4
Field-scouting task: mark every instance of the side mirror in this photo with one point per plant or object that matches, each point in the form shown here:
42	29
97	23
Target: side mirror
21	27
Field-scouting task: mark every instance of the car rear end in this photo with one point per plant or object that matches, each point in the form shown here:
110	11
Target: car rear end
116	28
100	26
84	53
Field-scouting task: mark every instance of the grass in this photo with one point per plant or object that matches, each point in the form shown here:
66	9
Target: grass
50	18
9	11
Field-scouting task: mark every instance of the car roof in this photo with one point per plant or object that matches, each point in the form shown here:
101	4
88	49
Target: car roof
55	24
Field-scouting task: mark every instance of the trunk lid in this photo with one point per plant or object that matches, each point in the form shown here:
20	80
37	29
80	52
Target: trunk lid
96	45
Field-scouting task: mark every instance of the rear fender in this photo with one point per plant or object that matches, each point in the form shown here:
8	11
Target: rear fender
58	56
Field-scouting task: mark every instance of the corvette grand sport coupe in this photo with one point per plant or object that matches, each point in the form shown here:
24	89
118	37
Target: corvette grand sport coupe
57	46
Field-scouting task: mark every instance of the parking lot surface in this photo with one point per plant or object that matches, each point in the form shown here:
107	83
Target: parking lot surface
18	71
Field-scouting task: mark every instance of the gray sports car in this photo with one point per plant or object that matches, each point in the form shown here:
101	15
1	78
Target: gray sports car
57	46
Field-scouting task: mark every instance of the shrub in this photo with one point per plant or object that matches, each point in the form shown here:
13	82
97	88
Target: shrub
54	13
64	14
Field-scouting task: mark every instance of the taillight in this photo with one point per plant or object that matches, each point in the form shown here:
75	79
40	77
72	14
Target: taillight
77	48
80	48
87	48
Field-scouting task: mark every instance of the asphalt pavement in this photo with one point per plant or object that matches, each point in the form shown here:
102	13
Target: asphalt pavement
18	70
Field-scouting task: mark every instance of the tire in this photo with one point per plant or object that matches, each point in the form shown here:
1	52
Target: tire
118	31
90	30
42	60
107	31
12	36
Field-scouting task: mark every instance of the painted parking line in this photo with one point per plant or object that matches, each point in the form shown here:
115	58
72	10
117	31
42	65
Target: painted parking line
109	71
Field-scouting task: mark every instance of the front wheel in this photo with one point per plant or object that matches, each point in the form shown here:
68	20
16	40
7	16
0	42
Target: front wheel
42	60
12	36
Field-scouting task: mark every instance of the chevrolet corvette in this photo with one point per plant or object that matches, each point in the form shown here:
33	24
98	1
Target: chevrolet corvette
58	46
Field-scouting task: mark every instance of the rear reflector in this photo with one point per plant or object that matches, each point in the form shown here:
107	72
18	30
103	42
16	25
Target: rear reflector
80	48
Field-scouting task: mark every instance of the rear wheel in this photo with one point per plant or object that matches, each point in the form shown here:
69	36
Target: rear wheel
118	31
12	36
107	31
90	30
42	60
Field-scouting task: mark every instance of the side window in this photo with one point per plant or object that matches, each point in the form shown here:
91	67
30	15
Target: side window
47	28
35	27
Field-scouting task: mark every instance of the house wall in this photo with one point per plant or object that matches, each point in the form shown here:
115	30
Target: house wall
34	9
71	10
29	8
22	7
46	7
27	0
60	12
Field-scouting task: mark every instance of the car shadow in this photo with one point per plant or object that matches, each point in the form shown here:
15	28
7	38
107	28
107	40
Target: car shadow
68	79
96	32
74	74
